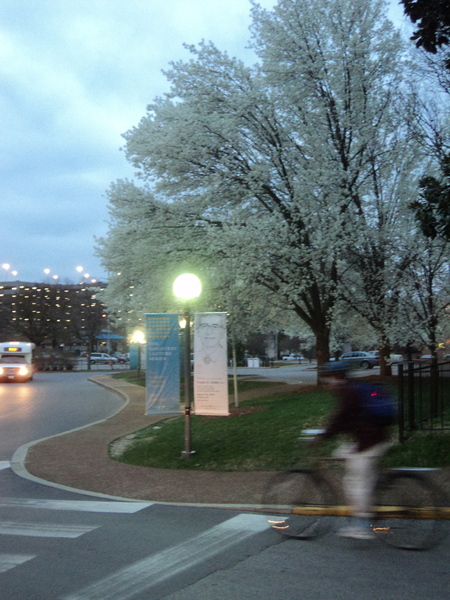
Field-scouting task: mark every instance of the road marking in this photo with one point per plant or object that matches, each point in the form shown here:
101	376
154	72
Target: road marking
9	561
4	464
77	505
50	530
148	572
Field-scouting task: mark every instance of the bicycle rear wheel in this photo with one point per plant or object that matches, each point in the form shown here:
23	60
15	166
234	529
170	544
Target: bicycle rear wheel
298	500
408	510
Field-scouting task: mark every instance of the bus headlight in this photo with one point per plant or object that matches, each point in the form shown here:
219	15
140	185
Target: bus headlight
23	371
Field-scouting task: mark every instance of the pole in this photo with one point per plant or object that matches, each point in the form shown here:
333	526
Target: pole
139	361
187	453
235	383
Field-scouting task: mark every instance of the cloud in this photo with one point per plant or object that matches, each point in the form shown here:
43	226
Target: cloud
76	74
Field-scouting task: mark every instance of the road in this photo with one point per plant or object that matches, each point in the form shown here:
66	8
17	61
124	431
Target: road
48	405
68	546
294	374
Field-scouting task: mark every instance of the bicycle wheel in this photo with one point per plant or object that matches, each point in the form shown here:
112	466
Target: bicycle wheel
298	500
408	510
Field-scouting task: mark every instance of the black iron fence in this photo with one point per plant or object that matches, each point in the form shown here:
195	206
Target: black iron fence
423	397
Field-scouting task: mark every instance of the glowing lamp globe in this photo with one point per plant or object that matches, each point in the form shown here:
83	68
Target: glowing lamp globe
138	337
187	286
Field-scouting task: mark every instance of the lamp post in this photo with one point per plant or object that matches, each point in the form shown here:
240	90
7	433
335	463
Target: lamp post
186	287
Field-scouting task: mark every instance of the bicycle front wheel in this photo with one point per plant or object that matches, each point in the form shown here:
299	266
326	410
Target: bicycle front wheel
298	501
408	510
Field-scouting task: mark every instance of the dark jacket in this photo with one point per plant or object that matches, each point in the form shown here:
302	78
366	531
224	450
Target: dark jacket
349	419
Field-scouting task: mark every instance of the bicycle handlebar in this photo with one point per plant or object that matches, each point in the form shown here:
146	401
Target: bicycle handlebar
309	435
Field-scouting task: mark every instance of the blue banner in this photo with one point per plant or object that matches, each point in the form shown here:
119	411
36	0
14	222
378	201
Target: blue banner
163	364
134	355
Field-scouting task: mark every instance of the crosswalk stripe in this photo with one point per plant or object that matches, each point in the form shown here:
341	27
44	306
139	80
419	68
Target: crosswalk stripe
9	561
44	529
76	505
144	574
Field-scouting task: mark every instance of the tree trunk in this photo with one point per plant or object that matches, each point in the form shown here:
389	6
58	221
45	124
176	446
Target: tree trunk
385	367
322	335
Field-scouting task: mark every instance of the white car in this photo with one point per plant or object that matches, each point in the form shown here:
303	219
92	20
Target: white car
293	357
101	358
392	359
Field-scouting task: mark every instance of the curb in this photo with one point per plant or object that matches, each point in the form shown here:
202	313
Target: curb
18	459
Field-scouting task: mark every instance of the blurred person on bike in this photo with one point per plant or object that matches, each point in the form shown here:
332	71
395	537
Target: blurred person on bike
369	443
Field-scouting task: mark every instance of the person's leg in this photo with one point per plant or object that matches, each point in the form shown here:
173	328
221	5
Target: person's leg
361	470
359	482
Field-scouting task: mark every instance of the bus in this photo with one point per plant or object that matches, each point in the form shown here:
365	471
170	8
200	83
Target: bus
16	361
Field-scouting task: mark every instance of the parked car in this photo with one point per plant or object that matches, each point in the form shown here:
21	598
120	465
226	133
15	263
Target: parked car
293	357
363	360
120	357
392	359
101	358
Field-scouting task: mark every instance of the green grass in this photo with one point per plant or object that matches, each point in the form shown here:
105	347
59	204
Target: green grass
244	384
265	439
131	376
422	449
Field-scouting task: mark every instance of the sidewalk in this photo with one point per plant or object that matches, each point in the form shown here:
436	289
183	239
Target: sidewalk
79	459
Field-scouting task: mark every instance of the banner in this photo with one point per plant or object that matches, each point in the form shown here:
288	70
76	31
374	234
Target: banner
134	356
163	364
210	364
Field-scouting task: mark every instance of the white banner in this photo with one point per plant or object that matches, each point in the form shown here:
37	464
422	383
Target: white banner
210	364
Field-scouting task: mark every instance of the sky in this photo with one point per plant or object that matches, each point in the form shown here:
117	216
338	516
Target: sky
74	76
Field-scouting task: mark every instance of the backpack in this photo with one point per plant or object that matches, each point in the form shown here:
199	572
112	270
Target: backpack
377	404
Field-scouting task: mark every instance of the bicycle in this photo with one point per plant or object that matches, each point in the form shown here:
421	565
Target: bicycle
408	509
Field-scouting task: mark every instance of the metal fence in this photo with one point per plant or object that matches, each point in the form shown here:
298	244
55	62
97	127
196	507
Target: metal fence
423	397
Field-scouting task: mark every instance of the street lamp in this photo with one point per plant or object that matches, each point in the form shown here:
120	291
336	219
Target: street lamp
187	287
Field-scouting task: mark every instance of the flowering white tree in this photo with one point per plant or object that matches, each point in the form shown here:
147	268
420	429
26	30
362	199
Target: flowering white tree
284	160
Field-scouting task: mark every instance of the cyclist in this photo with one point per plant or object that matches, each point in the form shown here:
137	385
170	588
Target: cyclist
361	456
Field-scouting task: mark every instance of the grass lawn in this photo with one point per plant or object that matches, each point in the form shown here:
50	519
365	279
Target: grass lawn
263	435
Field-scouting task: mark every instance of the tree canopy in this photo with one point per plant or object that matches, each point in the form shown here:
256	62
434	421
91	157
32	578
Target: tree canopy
280	180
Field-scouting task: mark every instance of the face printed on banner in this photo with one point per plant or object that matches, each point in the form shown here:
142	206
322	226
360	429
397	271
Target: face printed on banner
211	331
